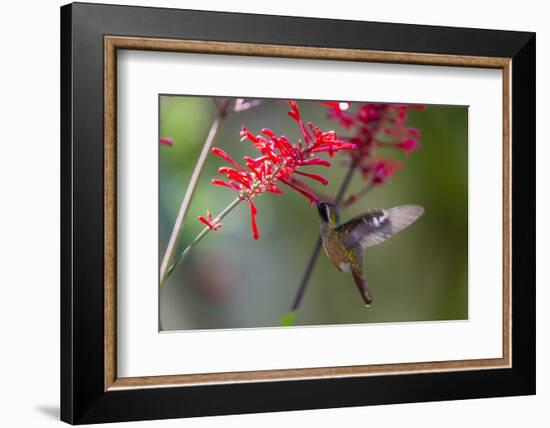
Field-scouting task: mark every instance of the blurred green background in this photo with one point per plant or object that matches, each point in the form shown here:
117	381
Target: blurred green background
232	281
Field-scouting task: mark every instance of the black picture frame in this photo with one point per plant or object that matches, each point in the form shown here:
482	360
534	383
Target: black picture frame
83	396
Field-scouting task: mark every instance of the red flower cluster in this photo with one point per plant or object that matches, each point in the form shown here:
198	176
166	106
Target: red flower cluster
374	126
279	161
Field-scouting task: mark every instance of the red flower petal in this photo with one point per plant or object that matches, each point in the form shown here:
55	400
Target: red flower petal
332	104
268	132
333	148
219	152
214	225
381	170
166	141
222	183
239	177
347	146
245	133
253	212
312	198
314	161
409	145
315	177
295	114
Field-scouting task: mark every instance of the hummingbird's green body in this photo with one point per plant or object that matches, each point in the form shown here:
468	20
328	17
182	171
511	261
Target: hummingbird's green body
344	258
344	243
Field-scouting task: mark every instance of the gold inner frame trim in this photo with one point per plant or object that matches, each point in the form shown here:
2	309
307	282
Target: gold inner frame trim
113	43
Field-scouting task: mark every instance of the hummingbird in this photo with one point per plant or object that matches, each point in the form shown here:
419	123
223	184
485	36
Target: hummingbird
345	243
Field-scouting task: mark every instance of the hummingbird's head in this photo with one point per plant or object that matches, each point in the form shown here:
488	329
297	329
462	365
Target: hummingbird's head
328	213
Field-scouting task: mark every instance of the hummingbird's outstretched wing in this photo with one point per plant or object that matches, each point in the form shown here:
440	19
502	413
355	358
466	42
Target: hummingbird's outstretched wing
375	226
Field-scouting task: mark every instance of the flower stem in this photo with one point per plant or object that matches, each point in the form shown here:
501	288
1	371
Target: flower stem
178	225
198	238
316	250
354	198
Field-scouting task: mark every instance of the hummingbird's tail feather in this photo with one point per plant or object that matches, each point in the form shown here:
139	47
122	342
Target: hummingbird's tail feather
361	283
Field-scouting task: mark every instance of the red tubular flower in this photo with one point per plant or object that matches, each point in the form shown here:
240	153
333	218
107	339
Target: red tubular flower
253	212
315	177
314	161
295	114
308	194
166	141
211	223
409	145
223	155
379	171
332	104
279	161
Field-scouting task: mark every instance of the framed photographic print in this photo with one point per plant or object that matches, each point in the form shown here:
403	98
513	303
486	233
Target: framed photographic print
265	213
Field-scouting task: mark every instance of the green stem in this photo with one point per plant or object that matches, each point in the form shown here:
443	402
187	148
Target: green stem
351	200
178	225
198	238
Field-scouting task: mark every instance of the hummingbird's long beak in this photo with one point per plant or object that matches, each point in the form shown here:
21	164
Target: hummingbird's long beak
320	209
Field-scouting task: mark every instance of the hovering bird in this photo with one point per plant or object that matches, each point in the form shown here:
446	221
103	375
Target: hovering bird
345	243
